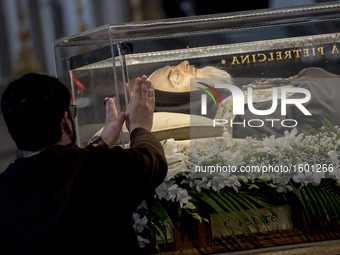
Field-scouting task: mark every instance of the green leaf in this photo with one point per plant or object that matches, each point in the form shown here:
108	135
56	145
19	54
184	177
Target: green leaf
314	201
160	231
248	204
322	202
330	128
162	213
244	179
242	210
231	208
161	221
333	200
254	186
198	217
214	205
310	207
298	194
263	203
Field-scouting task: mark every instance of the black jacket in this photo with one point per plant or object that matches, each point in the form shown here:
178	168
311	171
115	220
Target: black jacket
68	200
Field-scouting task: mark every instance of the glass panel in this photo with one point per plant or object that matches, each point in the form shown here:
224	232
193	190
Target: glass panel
248	46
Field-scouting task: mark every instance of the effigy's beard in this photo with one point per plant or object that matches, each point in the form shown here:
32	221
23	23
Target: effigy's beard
210	72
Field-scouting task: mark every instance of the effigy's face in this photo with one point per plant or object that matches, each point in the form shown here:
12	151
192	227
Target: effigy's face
174	78
177	78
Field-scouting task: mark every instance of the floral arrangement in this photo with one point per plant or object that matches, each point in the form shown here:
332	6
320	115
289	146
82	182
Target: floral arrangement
300	169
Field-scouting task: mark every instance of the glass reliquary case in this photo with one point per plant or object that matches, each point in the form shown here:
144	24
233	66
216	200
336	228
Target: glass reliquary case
253	73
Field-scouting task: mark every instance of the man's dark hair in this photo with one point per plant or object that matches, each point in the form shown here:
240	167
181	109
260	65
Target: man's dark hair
33	107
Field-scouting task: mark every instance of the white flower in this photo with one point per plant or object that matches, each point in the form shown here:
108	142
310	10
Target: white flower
282	186
265	177
142	241
333	155
216	184
271	142
232	181
303	178
161	191
188	181
251	177
183	197
290	138
175	159
139	224
143	205
178	194
234	158
336	174
317	177
169	146
265	149
176	165
172	192
308	177
201	184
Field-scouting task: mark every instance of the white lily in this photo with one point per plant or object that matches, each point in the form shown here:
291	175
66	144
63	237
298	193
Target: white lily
175	159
